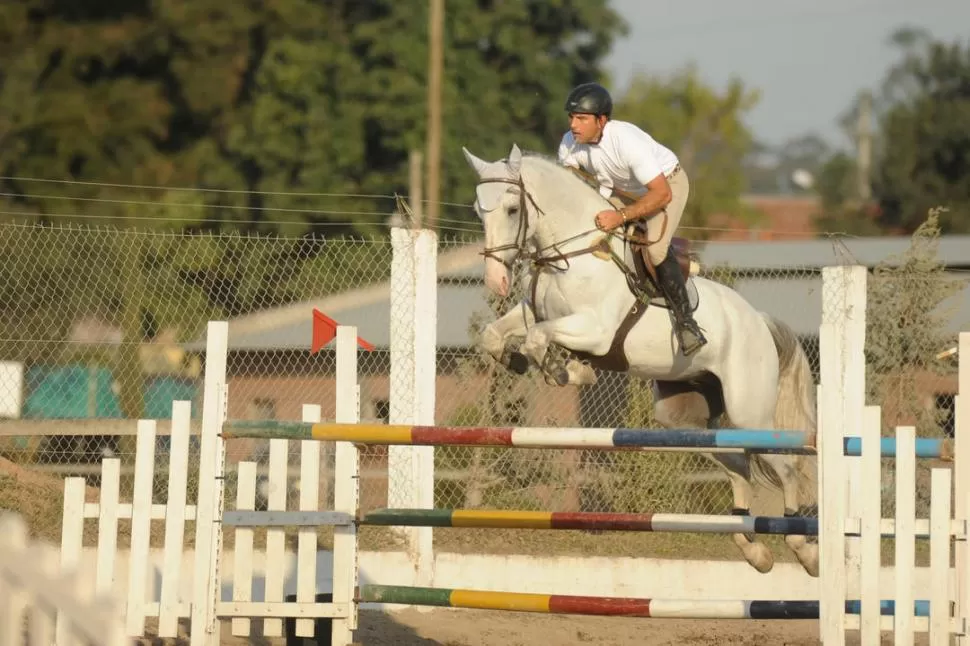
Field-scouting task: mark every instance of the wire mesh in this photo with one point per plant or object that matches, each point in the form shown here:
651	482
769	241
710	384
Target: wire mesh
100	327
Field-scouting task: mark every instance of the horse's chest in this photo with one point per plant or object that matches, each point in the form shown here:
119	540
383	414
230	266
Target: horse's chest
556	297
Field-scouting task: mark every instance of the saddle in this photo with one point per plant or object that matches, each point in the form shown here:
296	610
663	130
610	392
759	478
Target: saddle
636	235
679	247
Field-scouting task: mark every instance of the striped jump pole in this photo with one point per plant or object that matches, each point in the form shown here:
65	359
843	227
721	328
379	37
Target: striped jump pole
682	440
502	519
724	440
612	606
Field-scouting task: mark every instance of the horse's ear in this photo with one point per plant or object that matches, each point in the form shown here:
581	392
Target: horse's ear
515	160
478	165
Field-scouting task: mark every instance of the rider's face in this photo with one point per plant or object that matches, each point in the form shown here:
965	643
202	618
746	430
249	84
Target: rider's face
586	128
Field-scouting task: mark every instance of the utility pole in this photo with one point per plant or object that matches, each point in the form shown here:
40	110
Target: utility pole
435	64
416	201
864	146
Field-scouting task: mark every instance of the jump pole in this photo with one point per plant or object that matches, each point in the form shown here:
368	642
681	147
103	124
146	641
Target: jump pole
678	440
610	606
660	522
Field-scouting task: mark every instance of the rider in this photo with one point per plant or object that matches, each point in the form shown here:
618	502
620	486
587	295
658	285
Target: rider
622	156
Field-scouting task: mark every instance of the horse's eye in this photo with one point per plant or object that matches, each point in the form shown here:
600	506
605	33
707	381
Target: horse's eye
513	210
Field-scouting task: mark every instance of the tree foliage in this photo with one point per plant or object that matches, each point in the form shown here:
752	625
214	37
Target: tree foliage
255	99
921	145
926	141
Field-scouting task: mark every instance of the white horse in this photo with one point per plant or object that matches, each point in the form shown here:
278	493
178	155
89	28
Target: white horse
752	368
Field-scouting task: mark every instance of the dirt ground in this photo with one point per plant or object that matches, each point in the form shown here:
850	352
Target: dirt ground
447	627
461	627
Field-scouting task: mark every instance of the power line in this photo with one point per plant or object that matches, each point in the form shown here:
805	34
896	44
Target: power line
191	189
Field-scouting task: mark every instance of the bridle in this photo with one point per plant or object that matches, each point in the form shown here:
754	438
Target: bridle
520	237
540	259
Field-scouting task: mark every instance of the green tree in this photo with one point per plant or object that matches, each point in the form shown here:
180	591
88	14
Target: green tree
920	147
926	141
117	93
706	130
257	99
343	101
841	211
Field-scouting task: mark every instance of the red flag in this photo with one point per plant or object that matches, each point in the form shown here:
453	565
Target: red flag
324	331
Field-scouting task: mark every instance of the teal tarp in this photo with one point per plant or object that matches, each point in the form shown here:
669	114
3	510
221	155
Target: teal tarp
82	392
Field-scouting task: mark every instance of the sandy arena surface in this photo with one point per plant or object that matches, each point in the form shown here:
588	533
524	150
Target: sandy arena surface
481	628
461	627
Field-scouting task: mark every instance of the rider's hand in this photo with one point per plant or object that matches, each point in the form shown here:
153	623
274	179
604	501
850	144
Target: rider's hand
608	219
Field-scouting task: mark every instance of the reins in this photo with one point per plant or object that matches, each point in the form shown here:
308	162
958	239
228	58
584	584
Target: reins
538	258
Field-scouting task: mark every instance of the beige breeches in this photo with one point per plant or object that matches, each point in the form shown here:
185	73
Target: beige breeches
658	233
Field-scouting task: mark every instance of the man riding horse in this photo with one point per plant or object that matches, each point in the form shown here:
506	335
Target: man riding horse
626	161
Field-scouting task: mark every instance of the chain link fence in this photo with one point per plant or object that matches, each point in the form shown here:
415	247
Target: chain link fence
100	327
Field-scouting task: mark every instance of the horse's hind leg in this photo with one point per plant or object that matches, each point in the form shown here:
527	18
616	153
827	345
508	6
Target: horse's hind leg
697	405
787	467
749	400
737	466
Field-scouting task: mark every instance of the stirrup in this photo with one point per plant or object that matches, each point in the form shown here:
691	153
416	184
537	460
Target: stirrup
698	339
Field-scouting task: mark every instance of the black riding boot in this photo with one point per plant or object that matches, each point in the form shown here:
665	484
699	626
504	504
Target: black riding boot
674	287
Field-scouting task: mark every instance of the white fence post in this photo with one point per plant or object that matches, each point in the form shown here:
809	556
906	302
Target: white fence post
844	304
141	518
905	534
961	481
306	556
346	488
842	372
413	322
176	511
206	584
869	525
831	501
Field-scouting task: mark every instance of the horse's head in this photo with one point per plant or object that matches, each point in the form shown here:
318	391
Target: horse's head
506	213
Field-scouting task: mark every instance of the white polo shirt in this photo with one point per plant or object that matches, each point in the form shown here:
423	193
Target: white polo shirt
626	157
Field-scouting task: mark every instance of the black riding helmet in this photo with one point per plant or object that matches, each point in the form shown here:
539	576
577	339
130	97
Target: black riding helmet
590	98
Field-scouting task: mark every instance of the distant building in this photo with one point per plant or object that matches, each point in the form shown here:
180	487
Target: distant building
783	217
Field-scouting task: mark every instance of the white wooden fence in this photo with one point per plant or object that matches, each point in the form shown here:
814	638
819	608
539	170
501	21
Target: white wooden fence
195	587
41	604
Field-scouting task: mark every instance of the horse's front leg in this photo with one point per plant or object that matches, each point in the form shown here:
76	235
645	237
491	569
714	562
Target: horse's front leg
580	332
496	336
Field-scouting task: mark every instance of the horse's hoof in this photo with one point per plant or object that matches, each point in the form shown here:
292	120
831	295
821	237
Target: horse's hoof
561	377
518	363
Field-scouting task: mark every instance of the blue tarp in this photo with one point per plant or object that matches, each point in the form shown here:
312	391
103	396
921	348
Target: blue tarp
83	392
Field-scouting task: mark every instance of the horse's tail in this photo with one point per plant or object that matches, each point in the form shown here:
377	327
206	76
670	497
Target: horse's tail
795	407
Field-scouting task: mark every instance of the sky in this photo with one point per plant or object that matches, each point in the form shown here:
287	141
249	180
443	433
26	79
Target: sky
808	59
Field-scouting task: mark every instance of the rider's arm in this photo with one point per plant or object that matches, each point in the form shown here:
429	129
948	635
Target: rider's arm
657	197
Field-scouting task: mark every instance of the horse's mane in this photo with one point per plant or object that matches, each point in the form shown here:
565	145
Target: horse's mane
567	179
